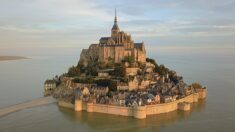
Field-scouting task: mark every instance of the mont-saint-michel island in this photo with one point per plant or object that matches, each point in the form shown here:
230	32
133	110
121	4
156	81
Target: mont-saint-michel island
115	76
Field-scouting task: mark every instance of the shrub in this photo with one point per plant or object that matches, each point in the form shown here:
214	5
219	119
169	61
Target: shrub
107	83
119	70
83	80
196	85
73	71
129	59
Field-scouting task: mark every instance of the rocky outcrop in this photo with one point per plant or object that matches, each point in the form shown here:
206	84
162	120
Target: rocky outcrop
90	54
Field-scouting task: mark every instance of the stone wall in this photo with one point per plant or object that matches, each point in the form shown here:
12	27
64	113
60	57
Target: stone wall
171	106
141	56
114	52
110	109
139	112
119	53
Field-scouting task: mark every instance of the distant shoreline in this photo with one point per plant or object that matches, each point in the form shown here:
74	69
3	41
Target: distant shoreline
7	58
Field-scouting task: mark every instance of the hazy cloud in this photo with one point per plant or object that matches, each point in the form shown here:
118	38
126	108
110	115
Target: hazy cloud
41	23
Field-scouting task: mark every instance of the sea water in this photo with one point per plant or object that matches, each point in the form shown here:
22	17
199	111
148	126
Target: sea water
22	80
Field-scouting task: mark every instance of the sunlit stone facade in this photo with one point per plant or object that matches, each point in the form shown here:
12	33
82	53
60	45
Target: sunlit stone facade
116	47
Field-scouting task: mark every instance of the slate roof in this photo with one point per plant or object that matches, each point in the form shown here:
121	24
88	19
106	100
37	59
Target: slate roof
138	45
104	40
115	26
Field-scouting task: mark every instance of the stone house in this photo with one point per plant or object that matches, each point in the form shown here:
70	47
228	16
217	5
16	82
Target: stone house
167	99
132	71
150	98
134	103
99	90
133	84
149	67
157	99
122	86
144	84
49	85
188	90
121	99
103	74
85	91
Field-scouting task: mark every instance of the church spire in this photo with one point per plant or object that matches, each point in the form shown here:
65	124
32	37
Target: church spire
115	25
115	19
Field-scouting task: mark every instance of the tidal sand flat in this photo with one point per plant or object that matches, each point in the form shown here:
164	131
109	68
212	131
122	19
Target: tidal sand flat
33	103
5	58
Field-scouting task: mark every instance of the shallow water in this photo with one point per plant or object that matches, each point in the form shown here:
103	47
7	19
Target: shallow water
22	80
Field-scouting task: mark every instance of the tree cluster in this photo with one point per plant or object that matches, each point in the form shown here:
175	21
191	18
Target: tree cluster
112	84
129	59
196	85
119	70
74	71
83	80
161	69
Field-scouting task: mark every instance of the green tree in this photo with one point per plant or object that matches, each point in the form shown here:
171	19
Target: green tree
129	59
101	65
73	71
83	80
151	61
162	70
119	70
112	84
196	85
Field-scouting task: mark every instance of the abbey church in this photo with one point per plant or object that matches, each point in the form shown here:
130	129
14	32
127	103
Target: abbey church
116	47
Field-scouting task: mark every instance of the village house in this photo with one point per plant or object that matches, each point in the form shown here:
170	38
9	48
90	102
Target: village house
149	67
157	99
49	85
132	71
85	91
167	99
150	98
121	99
85	94
133	84
122	86
101	91
148	76
104	73
144	84
188	90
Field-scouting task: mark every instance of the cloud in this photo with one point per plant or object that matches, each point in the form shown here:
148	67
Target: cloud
81	22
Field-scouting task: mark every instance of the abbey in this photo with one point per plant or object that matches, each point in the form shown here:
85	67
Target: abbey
116	47
115	77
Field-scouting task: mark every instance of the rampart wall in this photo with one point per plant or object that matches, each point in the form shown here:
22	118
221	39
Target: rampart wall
138	112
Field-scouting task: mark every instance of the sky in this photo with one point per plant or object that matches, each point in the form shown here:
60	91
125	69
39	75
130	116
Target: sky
48	24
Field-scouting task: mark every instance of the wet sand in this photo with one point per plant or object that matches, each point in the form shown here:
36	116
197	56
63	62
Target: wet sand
29	104
5	58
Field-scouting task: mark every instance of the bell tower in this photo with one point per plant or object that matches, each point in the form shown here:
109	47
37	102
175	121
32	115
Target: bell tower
115	28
